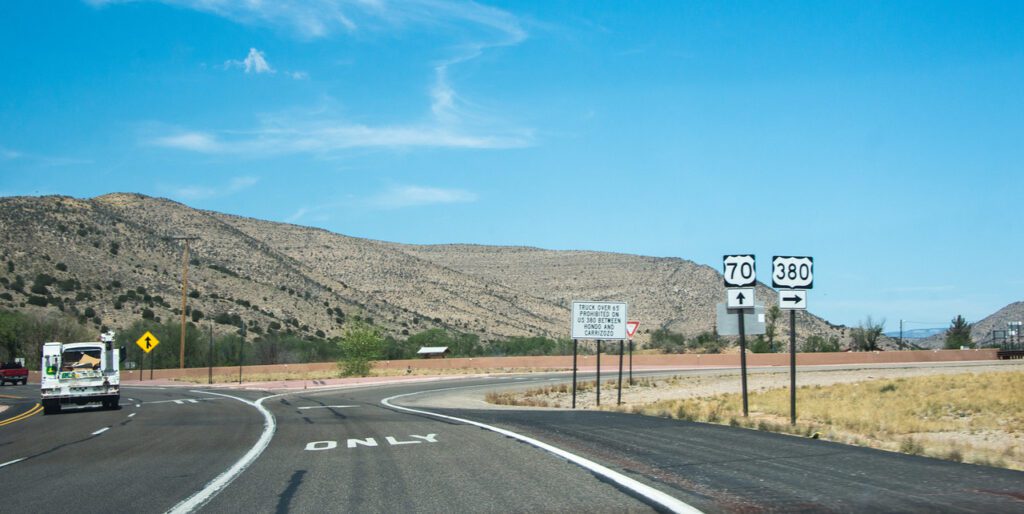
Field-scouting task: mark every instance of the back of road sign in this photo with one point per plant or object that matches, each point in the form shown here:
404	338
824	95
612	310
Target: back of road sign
729	325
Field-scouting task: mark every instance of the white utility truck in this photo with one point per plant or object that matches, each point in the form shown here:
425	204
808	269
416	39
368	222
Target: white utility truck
81	373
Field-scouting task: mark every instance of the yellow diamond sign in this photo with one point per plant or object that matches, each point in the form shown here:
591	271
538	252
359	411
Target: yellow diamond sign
147	342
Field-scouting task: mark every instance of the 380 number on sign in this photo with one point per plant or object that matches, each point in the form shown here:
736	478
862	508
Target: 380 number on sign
739	270
792	272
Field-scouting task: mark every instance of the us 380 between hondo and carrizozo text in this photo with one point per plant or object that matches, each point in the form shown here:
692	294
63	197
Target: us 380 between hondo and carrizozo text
599	320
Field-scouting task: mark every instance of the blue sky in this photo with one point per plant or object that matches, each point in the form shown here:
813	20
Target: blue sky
884	139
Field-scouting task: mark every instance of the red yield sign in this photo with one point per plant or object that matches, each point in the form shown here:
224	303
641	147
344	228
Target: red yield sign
631	327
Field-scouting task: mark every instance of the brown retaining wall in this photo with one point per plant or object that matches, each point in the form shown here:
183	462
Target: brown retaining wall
609	362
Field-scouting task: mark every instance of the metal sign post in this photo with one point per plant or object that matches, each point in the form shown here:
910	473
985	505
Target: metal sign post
796	274
792	367
209	356
630	362
631	328
575	343
620	373
739	272
743	361
598	383
598	321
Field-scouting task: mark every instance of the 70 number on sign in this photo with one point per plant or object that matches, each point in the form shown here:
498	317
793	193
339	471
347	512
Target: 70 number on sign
739	270
793	272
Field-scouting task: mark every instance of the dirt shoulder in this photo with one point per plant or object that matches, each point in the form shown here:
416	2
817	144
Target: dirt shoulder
699	385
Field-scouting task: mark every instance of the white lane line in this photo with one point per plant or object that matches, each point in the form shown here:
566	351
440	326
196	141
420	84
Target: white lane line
132	415
328	407
15	461
183	401
137	405
644	490
100	431
204	495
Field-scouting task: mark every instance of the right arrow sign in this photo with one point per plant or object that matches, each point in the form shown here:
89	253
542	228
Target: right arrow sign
793	299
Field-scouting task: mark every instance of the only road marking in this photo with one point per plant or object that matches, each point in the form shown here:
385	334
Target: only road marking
371	442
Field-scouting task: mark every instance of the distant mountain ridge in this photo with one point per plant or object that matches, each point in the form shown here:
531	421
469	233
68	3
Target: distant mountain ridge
108	261
984	331
917	333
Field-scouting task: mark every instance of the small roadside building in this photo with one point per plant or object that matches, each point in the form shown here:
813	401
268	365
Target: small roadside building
433	352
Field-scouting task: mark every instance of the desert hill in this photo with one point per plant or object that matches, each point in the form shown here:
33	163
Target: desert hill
109	261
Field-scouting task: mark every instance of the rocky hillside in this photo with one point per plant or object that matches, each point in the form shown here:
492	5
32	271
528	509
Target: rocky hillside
982	331
111	260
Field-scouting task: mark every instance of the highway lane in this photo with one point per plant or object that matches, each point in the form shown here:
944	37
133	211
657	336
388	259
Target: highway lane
725	469
134	459
342	451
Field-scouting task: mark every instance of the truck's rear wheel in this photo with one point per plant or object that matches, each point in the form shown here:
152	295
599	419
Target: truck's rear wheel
51	407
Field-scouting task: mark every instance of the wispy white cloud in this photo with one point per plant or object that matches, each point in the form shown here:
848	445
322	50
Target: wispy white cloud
452	121
194	141
8	154
255	62
191	193
297	136
297	215
918	289
415	196
307	18
311	19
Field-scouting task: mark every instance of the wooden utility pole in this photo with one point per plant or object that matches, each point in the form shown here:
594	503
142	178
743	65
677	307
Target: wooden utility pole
184	293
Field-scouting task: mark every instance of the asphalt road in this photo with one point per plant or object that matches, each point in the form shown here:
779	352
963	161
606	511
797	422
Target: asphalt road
344	451
146	460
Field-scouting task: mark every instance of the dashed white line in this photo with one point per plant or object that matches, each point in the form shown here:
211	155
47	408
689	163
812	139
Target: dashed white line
15	461
132	415
328	407
100	431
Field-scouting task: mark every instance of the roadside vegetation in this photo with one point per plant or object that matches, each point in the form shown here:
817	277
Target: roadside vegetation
968	417
235	341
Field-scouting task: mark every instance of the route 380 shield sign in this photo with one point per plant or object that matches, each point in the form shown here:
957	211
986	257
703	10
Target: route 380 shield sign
792	272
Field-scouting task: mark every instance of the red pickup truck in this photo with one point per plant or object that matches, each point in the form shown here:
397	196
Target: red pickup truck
13	373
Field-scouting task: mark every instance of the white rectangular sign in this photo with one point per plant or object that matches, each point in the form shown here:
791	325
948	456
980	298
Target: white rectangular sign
599	320
742	298
795	299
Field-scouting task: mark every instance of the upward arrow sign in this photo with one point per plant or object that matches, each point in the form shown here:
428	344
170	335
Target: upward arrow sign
149	344
740	298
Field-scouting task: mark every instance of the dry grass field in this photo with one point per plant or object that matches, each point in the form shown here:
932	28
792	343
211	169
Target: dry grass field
974	417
